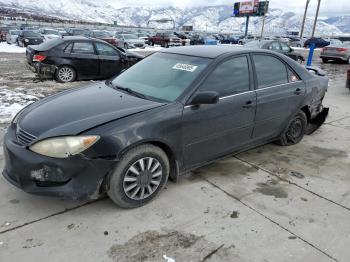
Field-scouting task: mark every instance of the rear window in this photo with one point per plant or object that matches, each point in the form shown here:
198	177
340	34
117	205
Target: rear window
50	43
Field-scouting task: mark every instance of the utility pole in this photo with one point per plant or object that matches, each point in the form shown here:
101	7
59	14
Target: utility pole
246	26
263	22
315	21
304	18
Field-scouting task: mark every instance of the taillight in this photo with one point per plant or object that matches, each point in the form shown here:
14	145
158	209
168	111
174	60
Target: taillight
324	49
39	58
342	49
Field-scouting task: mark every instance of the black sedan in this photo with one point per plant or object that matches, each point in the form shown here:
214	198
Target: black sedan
29	37
174	111
73	58
277	46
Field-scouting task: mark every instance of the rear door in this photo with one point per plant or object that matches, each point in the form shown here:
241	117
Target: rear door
110	61
280	93
210	131
84	59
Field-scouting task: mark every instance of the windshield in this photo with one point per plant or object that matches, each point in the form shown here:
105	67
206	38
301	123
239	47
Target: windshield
30	34
162	76
50	32
130	36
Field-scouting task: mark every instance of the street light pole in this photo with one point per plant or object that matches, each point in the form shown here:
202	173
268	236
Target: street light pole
315	21
304	18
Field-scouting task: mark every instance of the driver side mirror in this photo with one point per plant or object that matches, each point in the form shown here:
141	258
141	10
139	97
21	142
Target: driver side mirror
205	98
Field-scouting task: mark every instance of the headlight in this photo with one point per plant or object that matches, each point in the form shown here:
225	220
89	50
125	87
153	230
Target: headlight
63	147
26	40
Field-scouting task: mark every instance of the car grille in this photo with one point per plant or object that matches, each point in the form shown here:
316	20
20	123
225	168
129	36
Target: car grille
138	45
23	137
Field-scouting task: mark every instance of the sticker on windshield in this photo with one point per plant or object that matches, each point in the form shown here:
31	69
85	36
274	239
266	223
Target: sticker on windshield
185	67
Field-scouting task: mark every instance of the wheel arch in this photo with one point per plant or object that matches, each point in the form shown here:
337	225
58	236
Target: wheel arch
173	160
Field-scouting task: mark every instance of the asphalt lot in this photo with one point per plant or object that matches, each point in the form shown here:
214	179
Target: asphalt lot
271	203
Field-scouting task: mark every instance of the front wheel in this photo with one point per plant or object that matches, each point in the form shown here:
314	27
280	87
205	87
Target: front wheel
139	176
295	130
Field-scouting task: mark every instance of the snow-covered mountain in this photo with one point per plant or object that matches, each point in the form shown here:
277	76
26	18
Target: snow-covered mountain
208	18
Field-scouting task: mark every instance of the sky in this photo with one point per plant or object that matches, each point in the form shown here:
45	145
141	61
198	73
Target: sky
327	8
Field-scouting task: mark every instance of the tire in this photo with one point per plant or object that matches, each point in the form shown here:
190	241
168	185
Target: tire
65	74
126	46
298	45
300	60
324	60
166	45
295	130
151	43
138	184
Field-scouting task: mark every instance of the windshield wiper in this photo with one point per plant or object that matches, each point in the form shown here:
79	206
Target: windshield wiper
130	91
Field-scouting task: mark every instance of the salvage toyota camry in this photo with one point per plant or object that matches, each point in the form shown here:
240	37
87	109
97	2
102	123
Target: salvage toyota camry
172	112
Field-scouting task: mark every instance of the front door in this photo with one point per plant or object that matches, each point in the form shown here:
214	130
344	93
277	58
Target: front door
210	131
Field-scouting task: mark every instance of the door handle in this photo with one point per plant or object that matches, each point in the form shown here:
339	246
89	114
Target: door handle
297	91
248	104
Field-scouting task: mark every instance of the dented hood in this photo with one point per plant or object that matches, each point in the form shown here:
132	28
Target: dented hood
76	110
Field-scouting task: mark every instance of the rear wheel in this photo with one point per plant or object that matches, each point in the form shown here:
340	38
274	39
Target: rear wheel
139	176
65	74
295	130
300	60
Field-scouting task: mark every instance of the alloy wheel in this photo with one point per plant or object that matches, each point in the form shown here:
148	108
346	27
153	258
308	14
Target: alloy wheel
65	74
142	178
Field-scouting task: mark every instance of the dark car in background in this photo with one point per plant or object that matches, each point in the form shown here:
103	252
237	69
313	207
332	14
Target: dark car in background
76	57
77	31
29	37
319	42
172	112
105	36
277	46
4	30
337	52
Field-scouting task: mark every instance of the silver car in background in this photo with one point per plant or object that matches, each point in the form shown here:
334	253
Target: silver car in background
130	41
49	33
337	52
11	36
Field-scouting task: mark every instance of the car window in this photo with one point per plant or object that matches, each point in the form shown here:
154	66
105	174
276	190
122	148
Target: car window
292	76
274	46
107	50
83	48
68	49
230	77
285	47
270	71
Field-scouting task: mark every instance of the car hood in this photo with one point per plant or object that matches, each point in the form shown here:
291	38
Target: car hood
74	111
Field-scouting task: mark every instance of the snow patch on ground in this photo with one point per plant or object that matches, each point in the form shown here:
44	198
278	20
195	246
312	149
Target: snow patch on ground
6	48
11	102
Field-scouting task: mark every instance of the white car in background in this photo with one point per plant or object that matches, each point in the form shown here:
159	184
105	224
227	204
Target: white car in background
130	41
49	33
11	36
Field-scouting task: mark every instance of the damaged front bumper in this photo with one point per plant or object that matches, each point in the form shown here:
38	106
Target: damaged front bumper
317	121
75	177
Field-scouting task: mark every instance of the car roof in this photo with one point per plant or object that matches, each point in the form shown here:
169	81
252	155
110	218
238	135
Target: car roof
209	51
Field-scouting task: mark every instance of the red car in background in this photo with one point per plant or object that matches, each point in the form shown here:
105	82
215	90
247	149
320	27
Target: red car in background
105	36
4	30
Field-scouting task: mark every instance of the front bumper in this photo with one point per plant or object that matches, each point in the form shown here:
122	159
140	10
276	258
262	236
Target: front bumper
76	177
343	57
